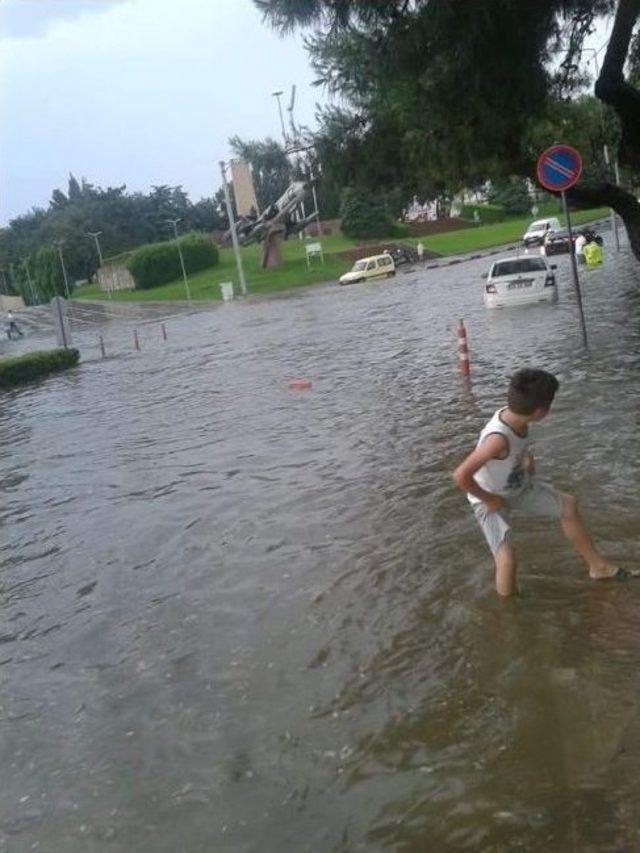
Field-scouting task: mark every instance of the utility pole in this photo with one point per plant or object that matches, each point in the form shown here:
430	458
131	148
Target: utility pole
174	223
34	295
232	226
277	96
59	243
95	235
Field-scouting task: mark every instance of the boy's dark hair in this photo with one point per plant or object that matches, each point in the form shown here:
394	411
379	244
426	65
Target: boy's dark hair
531	389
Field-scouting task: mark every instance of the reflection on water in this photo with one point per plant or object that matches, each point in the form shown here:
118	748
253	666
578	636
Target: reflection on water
236	618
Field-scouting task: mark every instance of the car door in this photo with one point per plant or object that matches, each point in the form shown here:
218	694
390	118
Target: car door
371	270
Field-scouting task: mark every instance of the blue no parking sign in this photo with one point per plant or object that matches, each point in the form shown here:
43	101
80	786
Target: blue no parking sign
559	167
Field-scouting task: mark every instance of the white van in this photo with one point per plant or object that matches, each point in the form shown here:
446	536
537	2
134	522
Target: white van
536	232
374	267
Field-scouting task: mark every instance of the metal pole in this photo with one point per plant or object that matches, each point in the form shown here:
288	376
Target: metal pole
95	235
574	268
615	220
64	269
174	223
277	96
232	225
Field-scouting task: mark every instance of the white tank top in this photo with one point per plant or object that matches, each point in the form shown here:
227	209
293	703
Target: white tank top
506	477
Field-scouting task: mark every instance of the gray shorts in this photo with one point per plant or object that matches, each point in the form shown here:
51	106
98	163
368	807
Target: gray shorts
537	498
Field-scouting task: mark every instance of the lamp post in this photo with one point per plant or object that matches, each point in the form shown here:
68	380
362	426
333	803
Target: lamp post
232	227
58	244
277	96
174	224
95	235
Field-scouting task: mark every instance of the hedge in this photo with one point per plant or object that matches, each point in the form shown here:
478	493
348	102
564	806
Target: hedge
158	263
488	213
34	365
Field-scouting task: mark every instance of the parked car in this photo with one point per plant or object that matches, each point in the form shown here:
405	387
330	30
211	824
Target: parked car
403	254
557	242
520	281
535	233
373	267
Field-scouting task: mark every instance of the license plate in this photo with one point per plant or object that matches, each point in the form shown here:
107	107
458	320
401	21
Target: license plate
517	285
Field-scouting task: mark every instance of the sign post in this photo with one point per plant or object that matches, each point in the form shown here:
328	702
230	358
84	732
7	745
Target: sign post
559	168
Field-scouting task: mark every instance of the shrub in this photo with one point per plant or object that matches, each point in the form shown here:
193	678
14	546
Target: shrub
34	365
364	216
488	213
159	263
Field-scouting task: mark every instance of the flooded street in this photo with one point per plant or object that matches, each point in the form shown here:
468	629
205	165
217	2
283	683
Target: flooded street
236	618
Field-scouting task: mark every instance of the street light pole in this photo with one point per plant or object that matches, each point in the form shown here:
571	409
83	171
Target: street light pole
232	226
59	243
277	96
95	235
174	223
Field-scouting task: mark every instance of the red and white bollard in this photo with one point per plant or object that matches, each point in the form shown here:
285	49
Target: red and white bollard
463	349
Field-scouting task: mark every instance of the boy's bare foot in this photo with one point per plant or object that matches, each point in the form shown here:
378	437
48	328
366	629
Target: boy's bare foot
607	571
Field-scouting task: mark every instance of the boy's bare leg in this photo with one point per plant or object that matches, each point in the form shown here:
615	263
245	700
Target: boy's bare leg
580	538
505	558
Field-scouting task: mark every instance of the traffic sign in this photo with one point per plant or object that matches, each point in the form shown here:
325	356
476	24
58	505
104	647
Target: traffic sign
559	168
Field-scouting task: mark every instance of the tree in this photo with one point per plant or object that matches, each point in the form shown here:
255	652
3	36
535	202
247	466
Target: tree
48	272
456	87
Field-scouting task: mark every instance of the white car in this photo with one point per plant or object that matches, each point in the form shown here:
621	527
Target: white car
538	230
374	267
520	281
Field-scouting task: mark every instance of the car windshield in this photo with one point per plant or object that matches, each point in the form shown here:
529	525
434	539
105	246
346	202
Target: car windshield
540	225
518	265
359	265
559	235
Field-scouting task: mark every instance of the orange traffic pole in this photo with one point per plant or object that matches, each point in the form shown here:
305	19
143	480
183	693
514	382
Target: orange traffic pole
463	349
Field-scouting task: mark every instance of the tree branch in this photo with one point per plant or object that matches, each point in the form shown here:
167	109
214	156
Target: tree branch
611	87
624	203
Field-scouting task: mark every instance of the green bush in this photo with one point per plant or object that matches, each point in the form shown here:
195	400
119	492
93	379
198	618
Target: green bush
158	263
34	365
364	216
488	213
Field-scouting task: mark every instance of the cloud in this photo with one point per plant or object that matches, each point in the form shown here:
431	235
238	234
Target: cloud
33	18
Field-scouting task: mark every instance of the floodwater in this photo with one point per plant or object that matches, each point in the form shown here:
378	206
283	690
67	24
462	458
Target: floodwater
236	618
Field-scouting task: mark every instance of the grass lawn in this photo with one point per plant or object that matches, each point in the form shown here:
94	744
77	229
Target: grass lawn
205	285
483	236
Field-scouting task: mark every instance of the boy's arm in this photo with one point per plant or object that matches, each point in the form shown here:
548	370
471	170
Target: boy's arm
493	447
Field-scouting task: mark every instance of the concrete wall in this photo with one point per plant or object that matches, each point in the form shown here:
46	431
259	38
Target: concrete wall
114	277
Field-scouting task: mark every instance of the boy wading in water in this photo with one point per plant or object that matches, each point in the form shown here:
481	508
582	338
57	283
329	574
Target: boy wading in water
499	475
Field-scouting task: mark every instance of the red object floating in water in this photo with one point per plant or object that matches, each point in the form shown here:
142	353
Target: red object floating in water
299	385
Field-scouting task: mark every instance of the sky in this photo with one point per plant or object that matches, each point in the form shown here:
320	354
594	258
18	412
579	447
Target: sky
136	92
